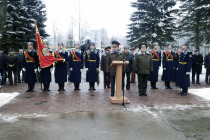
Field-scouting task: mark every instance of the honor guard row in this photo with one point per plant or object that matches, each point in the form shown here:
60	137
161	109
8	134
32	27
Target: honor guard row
74	60
146	64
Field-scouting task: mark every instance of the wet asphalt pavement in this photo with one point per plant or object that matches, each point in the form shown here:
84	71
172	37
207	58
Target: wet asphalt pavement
85	115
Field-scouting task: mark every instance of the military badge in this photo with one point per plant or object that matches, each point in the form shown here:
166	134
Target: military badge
45	52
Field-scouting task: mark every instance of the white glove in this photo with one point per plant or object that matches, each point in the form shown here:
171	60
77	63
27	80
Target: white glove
71	69
64	60
176	68
164	68
51	69
86	69
187	73
39	69
23	69
80	70
35	70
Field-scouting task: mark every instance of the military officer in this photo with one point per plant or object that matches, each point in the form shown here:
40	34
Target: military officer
168	66
92	66
115	55
207	67
133	77
176	63
12	62
143	66
61	67
197	63
46	72
156	58
129	67
105	67
184	68
76	66
30	65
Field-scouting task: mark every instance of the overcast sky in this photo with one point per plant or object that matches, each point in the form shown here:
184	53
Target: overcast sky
113	15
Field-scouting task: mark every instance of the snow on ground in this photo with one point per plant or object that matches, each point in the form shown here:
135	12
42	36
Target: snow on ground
16	117
7	97
201	92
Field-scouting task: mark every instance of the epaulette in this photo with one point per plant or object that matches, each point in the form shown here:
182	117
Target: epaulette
79	51
95	51
147	52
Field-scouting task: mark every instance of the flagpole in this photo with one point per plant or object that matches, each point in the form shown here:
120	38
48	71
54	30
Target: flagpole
40	73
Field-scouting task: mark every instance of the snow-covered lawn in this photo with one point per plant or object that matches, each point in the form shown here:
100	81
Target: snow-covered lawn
7	97
202	92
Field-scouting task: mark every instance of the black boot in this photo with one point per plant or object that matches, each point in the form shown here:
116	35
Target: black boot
59	85
185	91
90	87
166	85
169	86
32	87
155	85
29	88
93	86
44	87
105	85
75	86
48	87
152	85
78	87
63	87
108	84
140	92
144	92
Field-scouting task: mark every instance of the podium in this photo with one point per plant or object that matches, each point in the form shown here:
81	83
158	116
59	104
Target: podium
119	66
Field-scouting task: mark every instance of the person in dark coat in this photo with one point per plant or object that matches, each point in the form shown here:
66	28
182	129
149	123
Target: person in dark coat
2	66
105	67
61	67
143	66
76	66
207	67
168	66
133	75
176	63
12	62
92	66
156	58
115	55
30	65
197	63
184	68
19	68
46	72
129	58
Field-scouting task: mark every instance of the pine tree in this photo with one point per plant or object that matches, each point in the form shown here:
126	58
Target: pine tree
36	13
151	22
3	9
19	25
195	22
13	36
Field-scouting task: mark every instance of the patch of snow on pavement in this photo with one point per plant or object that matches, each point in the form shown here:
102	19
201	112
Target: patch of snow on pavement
7	97
203	93
15	117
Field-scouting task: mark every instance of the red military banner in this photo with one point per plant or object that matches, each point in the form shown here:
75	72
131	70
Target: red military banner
45	57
